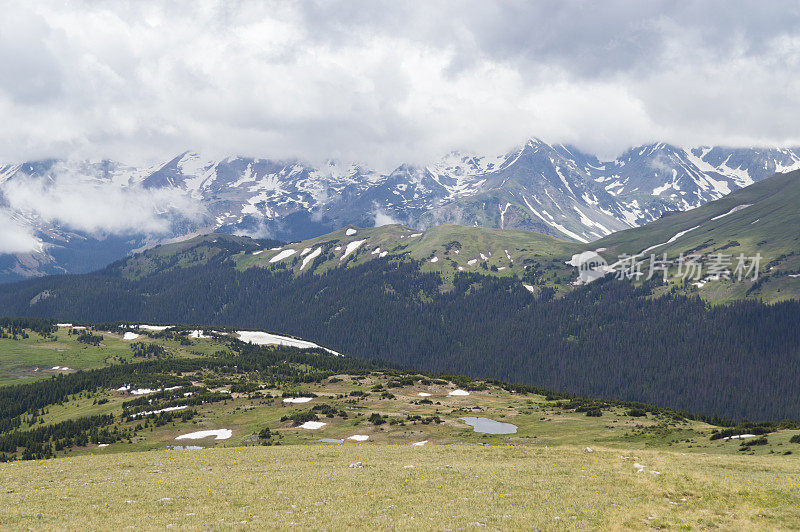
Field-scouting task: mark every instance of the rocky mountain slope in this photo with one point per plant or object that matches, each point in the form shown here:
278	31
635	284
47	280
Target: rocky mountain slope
551	189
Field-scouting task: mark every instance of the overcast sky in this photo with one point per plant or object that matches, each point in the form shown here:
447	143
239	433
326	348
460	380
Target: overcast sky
384	82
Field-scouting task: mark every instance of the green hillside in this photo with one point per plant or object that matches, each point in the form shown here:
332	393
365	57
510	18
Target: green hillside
762	218
445	249
196	251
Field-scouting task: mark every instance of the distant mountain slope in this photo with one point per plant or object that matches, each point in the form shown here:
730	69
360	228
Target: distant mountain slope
444	249
551	189
763	218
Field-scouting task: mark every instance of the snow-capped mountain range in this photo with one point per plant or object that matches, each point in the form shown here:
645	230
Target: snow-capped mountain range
552	189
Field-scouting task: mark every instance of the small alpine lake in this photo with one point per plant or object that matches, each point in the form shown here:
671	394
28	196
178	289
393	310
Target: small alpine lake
489	426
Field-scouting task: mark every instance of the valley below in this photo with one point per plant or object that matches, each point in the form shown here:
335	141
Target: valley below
156	426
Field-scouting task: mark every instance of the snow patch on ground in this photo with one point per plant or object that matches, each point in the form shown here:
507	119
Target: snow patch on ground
670	241
420	443
297	400
735	209
740	436
264	338
130	336
168	409
350	231
145	391
282	255
351	247
311	257
358	437
312	425
658	190
219	434
424	394
459	393
435	259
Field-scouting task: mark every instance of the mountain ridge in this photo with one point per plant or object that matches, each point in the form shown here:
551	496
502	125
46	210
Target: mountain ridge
551	189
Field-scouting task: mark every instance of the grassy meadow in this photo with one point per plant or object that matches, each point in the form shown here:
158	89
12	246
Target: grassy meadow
380	486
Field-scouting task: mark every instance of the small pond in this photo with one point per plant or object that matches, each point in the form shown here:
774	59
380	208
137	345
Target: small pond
331	440
186	447
489	426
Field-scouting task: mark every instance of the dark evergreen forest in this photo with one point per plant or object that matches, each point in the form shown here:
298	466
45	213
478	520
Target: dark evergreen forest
610	339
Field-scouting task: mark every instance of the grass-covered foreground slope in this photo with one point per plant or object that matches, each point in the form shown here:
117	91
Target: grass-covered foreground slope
402	487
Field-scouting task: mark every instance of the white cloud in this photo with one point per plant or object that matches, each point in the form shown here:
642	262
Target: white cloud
14	237
383	218
78	200
389	82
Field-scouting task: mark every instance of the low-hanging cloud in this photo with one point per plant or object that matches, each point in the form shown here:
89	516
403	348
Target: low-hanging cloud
381	217
389	82
80	201
14	236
